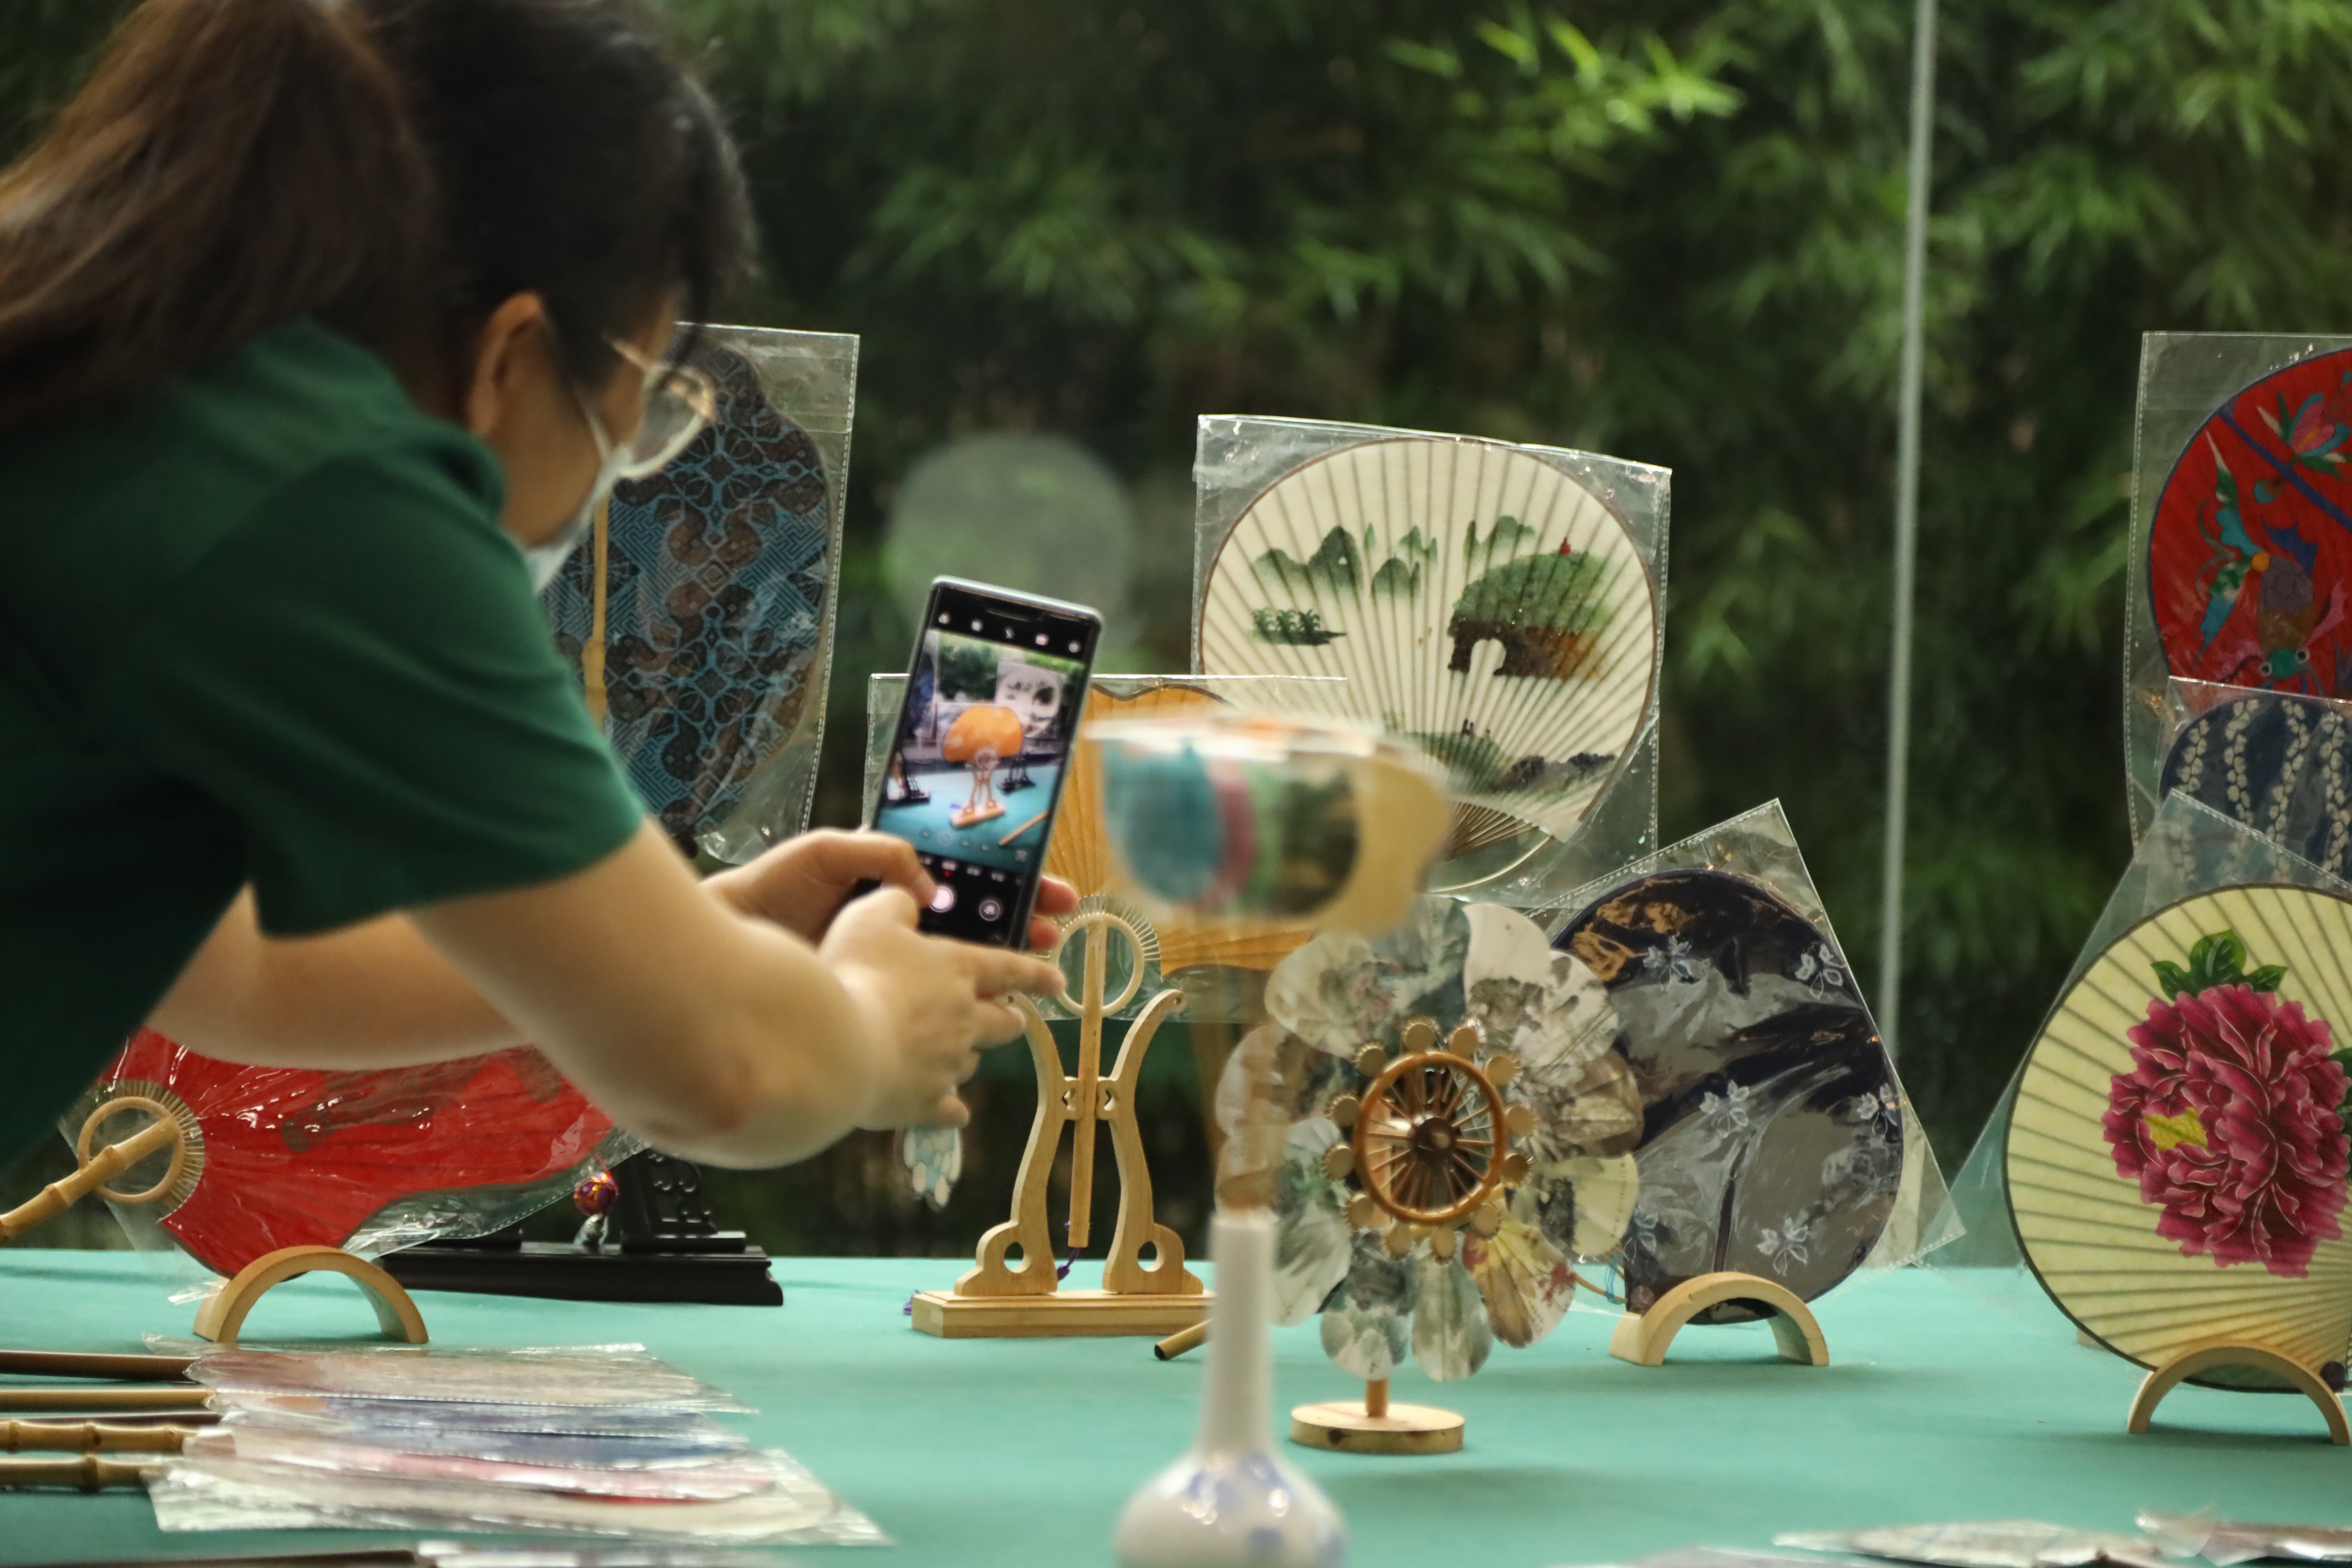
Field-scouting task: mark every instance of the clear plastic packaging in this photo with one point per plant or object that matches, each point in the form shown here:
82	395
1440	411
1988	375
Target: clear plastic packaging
682	1437
571	1376
2224	1543
370	1161
713	586
203	1493
2185	378
1988	1543
707	1480
1500	607
336	1411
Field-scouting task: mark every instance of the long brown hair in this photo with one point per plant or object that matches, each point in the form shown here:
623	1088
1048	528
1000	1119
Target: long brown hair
392	167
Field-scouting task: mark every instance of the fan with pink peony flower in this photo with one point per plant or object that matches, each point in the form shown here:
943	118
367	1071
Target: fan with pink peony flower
2176	1157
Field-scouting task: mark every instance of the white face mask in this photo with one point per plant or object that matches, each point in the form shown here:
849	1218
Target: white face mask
544	561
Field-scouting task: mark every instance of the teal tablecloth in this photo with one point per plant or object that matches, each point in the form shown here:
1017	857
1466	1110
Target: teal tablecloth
1021	1451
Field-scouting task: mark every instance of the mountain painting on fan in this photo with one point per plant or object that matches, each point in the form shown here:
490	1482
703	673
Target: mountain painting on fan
2280	765
1772	1126
1479	601
716	610
2249	551
2177	1156
289	1157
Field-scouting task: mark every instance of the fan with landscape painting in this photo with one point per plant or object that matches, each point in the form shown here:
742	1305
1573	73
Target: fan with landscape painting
1480	604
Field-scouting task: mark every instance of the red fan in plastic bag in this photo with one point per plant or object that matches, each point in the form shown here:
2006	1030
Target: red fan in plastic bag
272	1157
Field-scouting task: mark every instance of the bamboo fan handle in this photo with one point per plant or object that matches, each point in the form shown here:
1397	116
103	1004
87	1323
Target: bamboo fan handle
115	1400
90	1473
91	1437
107	1163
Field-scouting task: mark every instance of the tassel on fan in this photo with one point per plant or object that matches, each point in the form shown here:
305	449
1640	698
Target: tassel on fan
1480	603
2177	1156
284	1157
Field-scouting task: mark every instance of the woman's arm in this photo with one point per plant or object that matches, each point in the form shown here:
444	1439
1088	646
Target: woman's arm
709	1032
377	995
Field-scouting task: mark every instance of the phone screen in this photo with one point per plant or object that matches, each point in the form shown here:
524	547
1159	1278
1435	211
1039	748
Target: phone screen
993	695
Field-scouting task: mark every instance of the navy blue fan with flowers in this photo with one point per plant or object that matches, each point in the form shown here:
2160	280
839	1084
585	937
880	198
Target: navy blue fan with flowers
716	616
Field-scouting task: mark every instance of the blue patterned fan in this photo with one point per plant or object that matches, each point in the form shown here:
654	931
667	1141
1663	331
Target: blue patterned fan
711	589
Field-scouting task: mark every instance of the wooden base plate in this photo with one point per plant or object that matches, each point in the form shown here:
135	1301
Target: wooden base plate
1062	1315
1405	1429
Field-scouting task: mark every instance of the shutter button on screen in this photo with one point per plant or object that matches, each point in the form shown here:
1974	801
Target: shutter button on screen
943	899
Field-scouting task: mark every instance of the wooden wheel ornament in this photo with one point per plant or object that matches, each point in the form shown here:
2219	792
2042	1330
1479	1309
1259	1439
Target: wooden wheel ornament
1429	1145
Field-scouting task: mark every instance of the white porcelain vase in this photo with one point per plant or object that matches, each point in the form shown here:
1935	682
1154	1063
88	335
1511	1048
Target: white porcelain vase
1233	1502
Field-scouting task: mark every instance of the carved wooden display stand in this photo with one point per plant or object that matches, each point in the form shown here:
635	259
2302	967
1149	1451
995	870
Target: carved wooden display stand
998	1299
2208	1354
1643	1338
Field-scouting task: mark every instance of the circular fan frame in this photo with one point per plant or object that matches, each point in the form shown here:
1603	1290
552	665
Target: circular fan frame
1492	837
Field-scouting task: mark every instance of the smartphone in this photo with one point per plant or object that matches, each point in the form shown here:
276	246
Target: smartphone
993	694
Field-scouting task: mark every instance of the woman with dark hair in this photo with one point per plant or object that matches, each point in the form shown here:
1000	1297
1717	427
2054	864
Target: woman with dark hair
324	324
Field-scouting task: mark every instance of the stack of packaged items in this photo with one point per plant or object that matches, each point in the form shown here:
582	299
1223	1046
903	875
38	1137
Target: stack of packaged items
601	1440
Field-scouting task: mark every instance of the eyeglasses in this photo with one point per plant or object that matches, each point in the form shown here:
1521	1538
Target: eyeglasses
679	402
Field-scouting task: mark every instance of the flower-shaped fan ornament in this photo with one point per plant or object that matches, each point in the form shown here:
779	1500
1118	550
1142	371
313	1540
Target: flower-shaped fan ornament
1441	1128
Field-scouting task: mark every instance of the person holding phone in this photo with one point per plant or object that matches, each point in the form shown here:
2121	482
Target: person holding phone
324	327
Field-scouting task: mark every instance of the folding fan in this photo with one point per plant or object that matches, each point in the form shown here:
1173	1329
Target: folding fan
2280	765
1479	602
1771	1139
2250	550
2177	1155
284	1157
702	619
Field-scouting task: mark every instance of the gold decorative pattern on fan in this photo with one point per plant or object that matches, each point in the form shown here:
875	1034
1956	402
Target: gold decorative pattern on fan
2083	1224
1080	852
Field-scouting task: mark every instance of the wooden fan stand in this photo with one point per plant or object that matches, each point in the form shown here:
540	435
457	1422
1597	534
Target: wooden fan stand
226	1306
1643	1338
2205	1355
997	1299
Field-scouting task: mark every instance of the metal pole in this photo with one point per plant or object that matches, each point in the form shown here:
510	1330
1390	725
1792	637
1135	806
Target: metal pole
1906	521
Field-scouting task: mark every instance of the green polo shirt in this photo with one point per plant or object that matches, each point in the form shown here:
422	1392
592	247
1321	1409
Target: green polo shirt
259	626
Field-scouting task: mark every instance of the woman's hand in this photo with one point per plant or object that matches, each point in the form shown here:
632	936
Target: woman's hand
802	883
932	1004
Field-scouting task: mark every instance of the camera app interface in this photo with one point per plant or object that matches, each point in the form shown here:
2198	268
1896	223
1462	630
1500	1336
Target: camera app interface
990	711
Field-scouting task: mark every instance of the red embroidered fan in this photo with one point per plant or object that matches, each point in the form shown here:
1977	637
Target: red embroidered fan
274	1157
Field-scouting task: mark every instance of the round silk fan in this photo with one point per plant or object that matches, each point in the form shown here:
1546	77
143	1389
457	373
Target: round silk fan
2250	550
1479	602
2177	1155
284	1157
1080	852
2280	765
702	619
1771	1136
